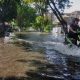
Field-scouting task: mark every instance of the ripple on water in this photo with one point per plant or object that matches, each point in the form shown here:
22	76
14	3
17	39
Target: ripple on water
66	67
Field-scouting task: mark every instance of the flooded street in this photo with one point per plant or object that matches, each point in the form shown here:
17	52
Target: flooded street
62	66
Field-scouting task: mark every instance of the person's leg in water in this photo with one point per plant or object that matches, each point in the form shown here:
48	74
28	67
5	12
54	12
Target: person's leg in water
78	39
75	38
72	38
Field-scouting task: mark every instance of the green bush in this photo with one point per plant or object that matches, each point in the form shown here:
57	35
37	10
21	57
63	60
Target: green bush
48	28
42	24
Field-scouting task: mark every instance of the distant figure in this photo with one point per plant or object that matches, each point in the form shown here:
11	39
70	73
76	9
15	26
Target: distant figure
8	29
72	34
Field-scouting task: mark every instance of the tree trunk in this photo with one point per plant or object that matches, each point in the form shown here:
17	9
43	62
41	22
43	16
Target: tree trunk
59	16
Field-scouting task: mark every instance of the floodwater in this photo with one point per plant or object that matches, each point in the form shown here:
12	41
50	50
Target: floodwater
66	67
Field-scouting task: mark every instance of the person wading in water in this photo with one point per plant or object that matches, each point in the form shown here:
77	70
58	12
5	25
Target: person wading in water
72	34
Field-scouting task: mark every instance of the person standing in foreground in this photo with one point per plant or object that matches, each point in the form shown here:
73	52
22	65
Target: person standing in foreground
72	34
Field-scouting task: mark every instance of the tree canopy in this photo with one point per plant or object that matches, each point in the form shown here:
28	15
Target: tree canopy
57	6
8	9
22	10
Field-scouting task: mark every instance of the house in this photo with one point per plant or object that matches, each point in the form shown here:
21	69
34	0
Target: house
69	16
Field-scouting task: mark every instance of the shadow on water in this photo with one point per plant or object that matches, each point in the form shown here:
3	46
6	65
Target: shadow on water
47	71
43	69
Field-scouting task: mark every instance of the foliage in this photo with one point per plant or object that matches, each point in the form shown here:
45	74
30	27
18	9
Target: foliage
14	24
57	6
48	25
42	24
48	28
8	9
26	16
38	25
60	4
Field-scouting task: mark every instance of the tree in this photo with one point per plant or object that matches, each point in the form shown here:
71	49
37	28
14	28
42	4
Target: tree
8	9
42	24
25	16
57	6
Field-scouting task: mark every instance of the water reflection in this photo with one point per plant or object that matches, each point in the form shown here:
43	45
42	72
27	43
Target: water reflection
65	67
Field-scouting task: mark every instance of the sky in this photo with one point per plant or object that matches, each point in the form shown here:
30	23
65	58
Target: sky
75	6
